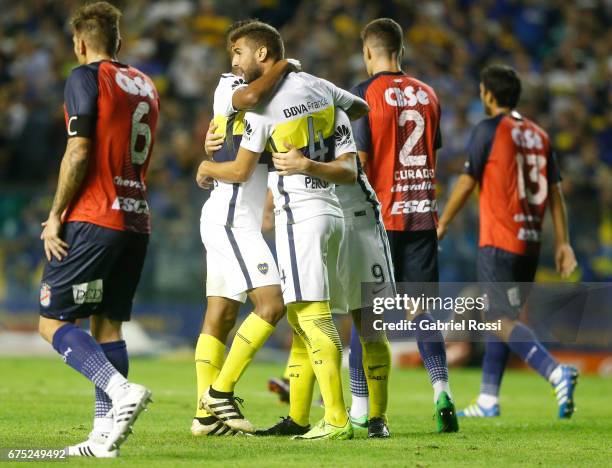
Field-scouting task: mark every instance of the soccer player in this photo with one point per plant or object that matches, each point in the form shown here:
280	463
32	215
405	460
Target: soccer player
96	236
238	261
397	143
309	219
512	160
364	258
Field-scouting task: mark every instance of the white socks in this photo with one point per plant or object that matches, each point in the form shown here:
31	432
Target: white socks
440	386
359	406
487	401
116	386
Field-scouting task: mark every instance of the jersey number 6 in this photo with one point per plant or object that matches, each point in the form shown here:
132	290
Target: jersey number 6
140	128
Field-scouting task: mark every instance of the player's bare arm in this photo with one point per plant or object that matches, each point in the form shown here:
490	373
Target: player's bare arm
260	89
342	170
364	156
565	260
236	171
462	191
72	172
358	109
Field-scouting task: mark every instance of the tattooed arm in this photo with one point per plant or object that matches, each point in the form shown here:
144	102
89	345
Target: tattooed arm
72	172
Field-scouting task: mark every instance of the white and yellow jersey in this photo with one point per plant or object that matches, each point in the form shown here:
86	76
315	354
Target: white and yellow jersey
301	113
234	204
358	199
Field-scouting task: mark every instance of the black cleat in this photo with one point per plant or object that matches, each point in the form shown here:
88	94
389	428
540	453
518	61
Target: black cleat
377	429
286	427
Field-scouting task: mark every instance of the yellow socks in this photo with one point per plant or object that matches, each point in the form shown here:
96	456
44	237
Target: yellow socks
251	336
300	374
376	365
209	356
325	351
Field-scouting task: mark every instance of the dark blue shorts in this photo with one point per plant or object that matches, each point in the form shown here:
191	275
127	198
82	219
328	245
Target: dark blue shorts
99	275
514	272
415	261
415	255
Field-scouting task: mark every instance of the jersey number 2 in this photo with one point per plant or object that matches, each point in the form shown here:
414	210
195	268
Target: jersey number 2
140	128
405	156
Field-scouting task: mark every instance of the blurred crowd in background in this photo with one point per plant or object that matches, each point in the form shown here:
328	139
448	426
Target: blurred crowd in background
562	50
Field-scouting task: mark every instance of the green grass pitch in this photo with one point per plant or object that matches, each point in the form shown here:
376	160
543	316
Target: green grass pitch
43	403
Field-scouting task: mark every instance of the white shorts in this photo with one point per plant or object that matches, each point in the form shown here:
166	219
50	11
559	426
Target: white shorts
308	254
237	260
365	257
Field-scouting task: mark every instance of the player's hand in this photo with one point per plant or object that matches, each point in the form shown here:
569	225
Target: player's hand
291	162
202	179
213	142
54	245
294	65
565	260
442	228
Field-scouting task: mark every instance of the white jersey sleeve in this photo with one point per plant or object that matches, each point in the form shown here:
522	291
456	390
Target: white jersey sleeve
257	131
341	97
343	135
228	84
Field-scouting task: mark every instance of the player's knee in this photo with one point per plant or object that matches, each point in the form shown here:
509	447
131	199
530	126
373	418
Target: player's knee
271	312
219	323
47	328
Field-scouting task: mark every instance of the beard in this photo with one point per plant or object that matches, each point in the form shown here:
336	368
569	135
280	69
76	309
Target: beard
251	73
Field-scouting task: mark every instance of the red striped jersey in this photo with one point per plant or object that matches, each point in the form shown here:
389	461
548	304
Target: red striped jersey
117	107
401	134
512	159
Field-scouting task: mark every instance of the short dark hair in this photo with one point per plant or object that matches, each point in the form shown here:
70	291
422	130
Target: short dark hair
99	23
503	82
261	35
385	33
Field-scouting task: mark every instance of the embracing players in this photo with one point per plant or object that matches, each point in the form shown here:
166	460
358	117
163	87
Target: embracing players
96	236
512	160
397	143
309	218
238	261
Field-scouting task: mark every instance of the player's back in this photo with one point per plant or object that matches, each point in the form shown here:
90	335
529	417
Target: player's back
300	113
121	105
401	135
516	167
234	204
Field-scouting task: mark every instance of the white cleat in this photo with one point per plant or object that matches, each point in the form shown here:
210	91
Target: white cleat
214	427
94	446
126	410
226	409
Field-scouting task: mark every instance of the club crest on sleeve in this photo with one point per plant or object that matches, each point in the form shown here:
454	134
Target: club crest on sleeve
263	268
45	295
